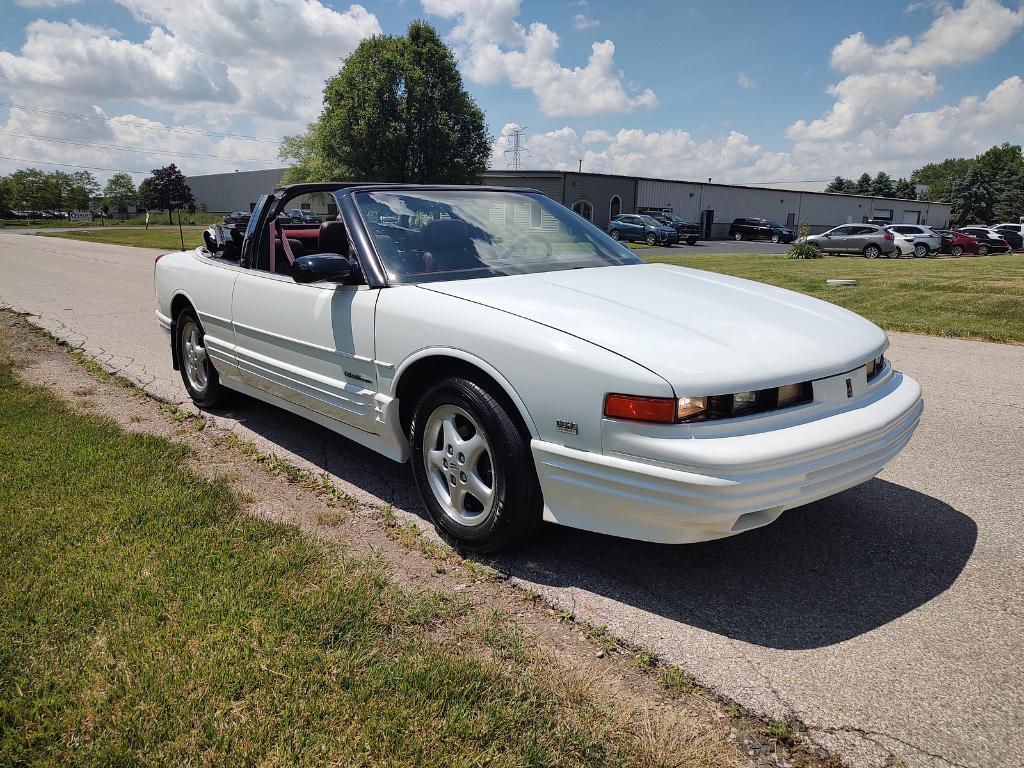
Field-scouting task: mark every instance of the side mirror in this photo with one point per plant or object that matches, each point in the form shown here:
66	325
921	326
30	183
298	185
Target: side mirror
321	268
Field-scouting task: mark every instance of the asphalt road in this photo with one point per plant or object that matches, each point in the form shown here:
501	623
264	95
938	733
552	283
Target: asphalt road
889	618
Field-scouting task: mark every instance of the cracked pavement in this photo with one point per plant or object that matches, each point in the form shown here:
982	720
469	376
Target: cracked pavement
887	619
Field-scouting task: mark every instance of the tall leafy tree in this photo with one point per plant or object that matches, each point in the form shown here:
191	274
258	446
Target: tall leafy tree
1000	159
936	176
1009	195
82	189
904	190
166	190
120	192
882	186
972	198
863	185
397	111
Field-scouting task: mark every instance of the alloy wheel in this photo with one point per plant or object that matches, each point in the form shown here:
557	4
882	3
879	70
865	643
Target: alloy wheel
457	458
194	357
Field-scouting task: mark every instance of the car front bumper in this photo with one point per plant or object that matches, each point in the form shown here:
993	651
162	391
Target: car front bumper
706	488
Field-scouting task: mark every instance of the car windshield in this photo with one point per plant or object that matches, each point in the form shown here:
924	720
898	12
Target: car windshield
774	224
650	221
425	235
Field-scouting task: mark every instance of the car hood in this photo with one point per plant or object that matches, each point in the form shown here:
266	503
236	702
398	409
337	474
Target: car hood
704	333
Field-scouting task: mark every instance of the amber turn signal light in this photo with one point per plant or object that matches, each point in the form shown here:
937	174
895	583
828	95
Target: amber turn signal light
660	410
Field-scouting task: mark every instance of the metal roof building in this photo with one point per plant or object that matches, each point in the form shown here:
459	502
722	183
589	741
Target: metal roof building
600	196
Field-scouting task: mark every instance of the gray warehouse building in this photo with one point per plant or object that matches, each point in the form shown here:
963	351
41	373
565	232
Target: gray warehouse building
600	196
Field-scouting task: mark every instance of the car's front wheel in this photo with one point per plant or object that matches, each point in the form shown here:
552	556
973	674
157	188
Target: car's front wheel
197	372
737	236
473	467
651	238
775	237
616	235
691	241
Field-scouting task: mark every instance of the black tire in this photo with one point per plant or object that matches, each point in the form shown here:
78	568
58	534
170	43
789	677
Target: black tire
957	250
921	251
872	251
616	235
515	512
983	250
691	241
211	394
737	236
651	238
775	238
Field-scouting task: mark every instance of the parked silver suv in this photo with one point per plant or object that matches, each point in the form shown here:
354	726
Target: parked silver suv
916	240
869	239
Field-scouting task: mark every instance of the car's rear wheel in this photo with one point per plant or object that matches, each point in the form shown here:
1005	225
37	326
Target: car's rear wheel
983	250
616	235
775	238
691	241
473	468
921	251
957	250
197	372
872	251
738	236
651	238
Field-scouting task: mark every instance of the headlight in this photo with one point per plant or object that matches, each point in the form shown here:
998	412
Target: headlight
874	367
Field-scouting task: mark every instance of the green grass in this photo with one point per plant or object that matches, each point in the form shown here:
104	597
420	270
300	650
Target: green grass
164	238
980	297
145	619
199	218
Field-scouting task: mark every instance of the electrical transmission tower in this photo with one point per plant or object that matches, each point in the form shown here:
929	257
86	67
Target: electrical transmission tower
516	149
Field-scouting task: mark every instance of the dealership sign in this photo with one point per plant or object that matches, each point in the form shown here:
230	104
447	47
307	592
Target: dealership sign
81	216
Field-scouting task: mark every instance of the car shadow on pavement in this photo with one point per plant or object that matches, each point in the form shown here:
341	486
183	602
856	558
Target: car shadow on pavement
819	575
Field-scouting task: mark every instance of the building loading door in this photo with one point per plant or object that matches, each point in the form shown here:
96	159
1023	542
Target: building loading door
911	217
707	220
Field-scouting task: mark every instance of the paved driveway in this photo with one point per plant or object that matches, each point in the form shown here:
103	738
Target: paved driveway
889	618
717	246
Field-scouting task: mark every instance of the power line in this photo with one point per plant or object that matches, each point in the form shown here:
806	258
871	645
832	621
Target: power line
136	149
122	121
513	159
69	165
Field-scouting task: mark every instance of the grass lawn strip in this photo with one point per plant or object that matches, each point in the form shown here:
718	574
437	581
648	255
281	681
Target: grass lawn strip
971	297
148	615
166	238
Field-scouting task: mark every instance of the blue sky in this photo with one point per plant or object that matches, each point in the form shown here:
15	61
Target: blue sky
741	91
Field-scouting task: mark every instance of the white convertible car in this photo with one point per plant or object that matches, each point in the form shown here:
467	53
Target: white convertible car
532	368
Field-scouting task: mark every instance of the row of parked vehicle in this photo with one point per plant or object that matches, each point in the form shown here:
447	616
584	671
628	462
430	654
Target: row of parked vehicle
653	227
895	240
293	216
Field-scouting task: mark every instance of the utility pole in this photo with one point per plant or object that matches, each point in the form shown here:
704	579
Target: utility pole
581	165
516	149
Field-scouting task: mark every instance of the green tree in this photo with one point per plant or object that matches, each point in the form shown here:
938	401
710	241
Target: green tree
972	198
863	185
904	190
166	190
997	160
82	189
882	186
1009	195
397	111
120	192
5	197
841	184
936	176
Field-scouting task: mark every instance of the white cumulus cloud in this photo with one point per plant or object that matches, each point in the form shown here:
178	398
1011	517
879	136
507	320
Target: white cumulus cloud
495	48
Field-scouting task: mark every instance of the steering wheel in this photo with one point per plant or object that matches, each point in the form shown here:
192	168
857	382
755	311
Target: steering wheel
522	240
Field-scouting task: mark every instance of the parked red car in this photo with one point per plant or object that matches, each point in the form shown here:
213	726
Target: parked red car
957	243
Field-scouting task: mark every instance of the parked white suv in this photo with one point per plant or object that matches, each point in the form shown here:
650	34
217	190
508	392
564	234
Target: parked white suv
916	240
